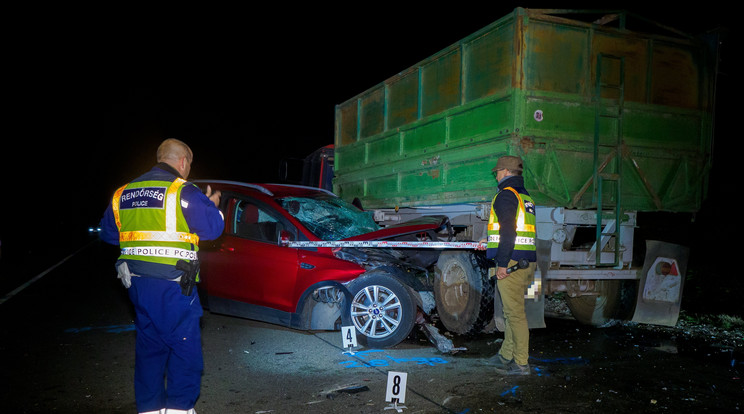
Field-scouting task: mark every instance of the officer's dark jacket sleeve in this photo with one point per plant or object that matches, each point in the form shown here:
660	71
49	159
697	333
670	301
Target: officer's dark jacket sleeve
109	232
505	206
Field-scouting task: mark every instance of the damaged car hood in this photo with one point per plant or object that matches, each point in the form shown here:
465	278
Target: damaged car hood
412	227
401	258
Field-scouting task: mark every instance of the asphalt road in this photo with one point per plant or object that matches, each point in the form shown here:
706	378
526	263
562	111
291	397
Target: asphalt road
67	346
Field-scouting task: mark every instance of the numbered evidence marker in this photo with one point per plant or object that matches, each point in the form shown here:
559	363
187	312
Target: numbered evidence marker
349	336
396	387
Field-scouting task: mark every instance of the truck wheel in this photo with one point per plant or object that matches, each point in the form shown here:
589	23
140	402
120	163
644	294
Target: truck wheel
599	309
381	310
463	293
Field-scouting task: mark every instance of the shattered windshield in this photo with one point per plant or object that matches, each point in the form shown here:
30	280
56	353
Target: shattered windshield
329	218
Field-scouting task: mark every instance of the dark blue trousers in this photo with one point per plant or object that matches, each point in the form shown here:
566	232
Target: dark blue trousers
168	353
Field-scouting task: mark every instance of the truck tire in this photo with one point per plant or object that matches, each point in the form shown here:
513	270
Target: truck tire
381	310
463	293
597	310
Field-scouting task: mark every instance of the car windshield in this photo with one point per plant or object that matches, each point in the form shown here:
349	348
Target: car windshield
329	218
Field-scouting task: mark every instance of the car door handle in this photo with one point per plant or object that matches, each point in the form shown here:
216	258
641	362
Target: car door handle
307	266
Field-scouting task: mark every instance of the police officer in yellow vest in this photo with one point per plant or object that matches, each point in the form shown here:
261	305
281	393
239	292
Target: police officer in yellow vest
511	237
158	220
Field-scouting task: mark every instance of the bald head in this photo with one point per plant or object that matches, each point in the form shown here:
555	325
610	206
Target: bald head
176	154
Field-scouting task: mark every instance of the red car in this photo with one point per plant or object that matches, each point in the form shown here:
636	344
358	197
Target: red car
249	272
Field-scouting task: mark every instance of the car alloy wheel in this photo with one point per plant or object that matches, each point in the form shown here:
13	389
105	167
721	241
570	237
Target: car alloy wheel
381	309
376	311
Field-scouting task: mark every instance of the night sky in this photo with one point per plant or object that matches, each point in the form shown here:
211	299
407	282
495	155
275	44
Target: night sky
92	97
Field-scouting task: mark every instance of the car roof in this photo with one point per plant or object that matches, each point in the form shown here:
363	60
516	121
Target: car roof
271	190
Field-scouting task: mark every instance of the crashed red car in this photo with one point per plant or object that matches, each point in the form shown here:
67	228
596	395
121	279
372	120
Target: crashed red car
250	272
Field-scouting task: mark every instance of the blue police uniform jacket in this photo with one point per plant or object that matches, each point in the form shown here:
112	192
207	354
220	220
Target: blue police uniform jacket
202	216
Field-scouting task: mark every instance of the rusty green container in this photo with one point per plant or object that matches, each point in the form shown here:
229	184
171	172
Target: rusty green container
601	115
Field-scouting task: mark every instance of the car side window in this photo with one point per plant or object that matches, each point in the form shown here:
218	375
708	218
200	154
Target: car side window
254	222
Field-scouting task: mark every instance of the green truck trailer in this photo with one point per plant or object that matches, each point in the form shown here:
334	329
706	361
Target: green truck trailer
613	117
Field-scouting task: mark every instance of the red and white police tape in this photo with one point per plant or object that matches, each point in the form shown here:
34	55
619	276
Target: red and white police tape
383	243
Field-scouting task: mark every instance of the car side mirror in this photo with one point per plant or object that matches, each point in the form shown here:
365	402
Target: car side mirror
285	237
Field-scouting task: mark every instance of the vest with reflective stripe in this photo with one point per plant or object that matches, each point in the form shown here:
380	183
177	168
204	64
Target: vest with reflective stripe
525	241
149	217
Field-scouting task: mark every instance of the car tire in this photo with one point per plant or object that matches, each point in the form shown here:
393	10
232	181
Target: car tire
463	293
381	310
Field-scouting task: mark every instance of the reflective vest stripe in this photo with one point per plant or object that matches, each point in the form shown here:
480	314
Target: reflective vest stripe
171	203
523	227
159	236
171	233
115	205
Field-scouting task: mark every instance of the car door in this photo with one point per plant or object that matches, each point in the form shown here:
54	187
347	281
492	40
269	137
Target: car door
248	264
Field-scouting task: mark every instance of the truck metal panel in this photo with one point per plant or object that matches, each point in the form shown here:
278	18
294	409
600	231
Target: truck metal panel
602	115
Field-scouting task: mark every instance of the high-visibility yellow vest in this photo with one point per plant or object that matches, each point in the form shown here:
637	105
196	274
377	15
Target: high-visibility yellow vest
151	224
526	221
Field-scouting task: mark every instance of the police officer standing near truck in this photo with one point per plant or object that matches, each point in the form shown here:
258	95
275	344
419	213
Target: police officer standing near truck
511	239
158	220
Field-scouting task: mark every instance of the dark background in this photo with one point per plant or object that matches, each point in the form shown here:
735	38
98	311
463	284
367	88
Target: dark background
90	93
